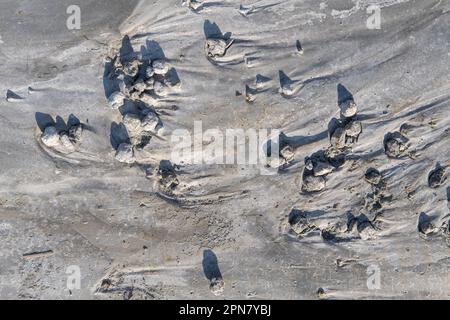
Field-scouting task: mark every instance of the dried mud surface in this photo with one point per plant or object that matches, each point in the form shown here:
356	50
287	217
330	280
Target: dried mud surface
366	131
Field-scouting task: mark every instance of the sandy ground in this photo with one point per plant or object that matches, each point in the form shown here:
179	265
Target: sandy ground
259	233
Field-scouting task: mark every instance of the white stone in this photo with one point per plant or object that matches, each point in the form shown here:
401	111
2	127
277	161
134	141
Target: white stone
116	100
152	123
217	286
160	67
160	89
287	153
50	137
337	139
287	89
353	129
135	95
131	68
313	183
132	123
366	231
396	146
66	143
216	47
125	153
140	86
348	108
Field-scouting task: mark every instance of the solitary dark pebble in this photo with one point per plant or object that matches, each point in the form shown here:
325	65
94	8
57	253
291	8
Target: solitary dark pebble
395	145
373	176
436	178
312	183
425	226
217	47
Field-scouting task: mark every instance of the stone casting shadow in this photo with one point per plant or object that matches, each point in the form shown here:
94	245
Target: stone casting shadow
212	31
211	265
45	120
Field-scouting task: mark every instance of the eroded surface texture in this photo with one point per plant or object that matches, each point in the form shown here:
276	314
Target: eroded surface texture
364	113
